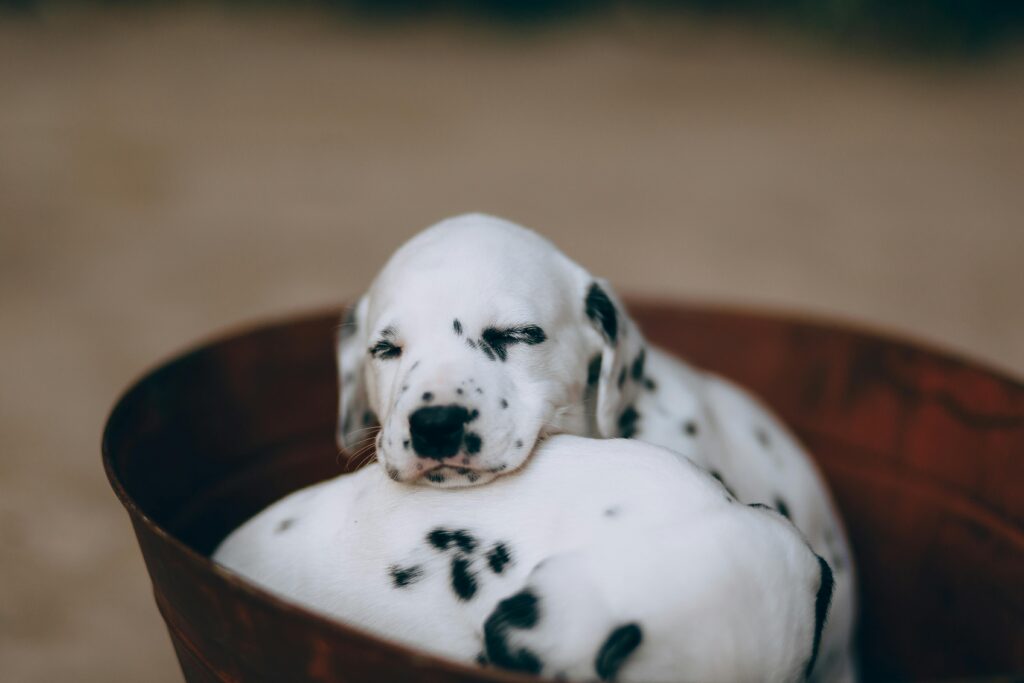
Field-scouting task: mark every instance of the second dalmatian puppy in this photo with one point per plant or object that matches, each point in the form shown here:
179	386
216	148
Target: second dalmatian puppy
647	570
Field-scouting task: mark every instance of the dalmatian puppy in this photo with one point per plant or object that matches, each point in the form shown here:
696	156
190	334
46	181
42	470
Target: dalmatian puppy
479	338
645	570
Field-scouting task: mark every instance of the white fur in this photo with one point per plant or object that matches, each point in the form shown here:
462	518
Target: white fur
720	591
484	271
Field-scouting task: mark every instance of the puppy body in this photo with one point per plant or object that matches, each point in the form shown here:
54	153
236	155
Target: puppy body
729	432
484	317
646	570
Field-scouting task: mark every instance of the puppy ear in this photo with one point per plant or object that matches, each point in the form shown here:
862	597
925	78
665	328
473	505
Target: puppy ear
354	415
622	356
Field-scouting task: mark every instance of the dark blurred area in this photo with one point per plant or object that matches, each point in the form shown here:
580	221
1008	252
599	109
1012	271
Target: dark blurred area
172	170
928	27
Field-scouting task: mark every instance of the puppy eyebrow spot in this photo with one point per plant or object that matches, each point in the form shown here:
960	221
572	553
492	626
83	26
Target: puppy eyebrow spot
499	340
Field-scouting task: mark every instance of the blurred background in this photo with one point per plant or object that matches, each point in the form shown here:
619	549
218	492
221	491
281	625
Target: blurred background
171	170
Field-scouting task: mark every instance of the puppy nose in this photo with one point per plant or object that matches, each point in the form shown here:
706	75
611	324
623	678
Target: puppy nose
437	430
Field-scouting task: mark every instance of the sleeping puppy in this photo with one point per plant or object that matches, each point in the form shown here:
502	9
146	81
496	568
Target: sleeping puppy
645	570
479	338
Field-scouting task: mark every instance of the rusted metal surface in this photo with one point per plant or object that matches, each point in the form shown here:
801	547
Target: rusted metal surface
925	454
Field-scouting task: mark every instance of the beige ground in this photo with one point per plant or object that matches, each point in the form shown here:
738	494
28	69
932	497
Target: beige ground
164	176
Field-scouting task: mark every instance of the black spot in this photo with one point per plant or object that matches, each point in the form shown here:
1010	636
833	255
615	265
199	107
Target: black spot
463	579
519	443
762	437
487	350
405	444
414	366
393	472
649	384
427	396
384	349
613	511
470	343
718	475
479	390
457	326
459	391
405	388
504	403
388	333
368	418
627	422
443	539
619	644
594	370
435	476
404	576
783	509
284	525
473	442
821	603
473	477
521	611
499	340
473	414
690	428
499	557
601	310
637	369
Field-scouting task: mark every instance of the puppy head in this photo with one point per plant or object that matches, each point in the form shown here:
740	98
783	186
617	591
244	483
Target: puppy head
476	339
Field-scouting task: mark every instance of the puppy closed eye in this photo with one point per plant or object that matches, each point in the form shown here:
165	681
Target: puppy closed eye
500	339
385	349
